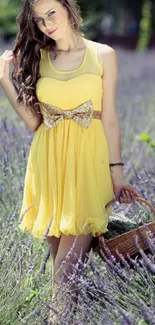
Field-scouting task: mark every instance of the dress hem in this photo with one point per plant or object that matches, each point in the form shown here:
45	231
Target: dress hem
40	234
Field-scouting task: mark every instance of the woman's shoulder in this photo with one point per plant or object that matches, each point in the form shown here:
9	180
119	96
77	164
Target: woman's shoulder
104	48
106	54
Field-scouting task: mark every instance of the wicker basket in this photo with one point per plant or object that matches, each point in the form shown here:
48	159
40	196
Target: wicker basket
126	242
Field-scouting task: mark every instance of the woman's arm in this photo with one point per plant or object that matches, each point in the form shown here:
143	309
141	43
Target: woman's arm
111	125
109	116
24	112
31	121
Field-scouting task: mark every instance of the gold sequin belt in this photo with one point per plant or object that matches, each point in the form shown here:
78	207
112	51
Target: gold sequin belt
82	114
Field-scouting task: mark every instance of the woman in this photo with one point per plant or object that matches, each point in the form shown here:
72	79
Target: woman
65	92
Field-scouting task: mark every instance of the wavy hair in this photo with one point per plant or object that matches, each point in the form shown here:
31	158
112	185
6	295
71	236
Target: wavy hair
28	43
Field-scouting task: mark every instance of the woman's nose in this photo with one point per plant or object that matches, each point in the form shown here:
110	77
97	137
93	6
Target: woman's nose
48	25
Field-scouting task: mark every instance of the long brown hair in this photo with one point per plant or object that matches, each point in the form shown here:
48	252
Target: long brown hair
28	43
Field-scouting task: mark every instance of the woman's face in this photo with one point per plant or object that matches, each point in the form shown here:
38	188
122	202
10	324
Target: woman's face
51	18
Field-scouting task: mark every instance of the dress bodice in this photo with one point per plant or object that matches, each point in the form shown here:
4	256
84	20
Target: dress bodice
68	89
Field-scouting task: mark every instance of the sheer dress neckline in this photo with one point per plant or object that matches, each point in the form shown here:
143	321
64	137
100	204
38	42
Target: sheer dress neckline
68	71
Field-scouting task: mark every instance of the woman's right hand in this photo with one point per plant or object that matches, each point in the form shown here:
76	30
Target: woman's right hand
5	60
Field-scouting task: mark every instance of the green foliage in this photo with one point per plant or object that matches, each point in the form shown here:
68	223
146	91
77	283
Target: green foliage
92	24
145	26
146	138
8	12
9	9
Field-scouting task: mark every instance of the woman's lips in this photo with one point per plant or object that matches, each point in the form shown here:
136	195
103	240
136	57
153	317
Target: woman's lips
52	31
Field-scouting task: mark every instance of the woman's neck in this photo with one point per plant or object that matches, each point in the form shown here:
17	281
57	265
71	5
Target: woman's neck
66	44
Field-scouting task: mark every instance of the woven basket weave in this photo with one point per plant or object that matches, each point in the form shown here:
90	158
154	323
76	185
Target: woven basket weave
126	242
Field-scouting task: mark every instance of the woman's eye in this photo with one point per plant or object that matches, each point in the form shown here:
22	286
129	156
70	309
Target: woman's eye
51	13
37	21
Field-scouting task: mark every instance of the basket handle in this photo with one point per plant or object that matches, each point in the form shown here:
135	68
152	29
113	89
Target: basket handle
137	198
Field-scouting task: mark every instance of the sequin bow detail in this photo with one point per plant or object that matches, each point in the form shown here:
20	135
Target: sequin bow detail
82	114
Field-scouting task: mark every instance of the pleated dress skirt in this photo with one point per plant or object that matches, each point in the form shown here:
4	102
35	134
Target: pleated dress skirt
67	181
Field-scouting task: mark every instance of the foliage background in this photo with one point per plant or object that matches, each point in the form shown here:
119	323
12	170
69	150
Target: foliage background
92	12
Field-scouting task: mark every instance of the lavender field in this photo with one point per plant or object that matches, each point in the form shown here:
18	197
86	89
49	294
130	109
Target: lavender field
108	293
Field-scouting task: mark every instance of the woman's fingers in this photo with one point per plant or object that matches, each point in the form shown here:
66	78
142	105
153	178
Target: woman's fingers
7	55
5	60
129	196
126	197
122	197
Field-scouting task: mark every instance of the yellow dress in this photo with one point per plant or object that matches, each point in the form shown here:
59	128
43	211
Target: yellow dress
68	181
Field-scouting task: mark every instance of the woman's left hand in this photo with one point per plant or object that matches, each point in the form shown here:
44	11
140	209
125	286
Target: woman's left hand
124	191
